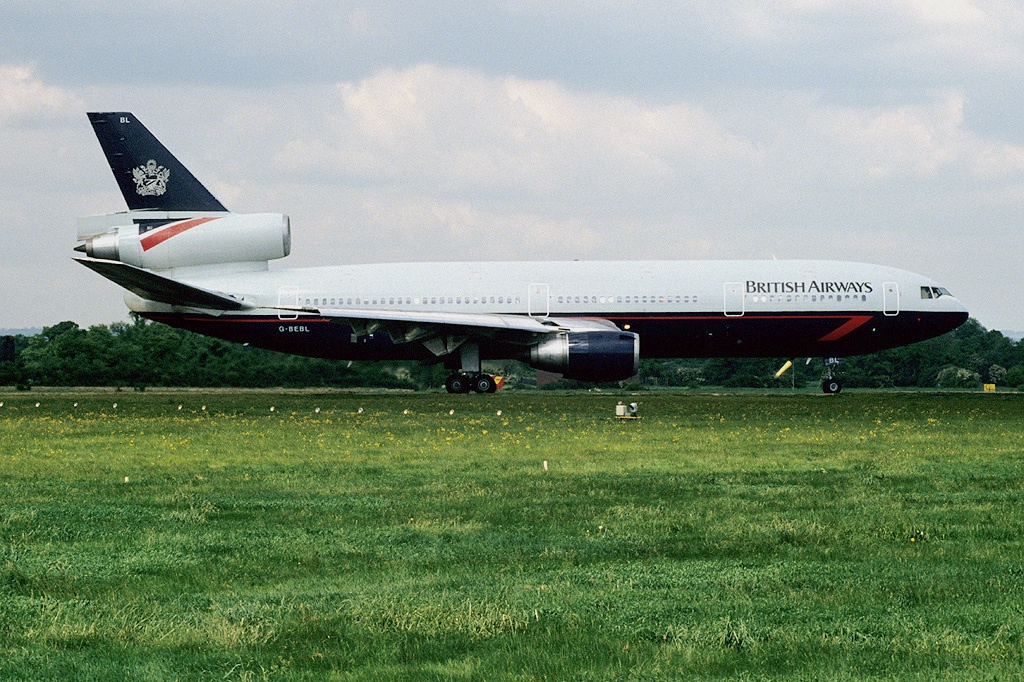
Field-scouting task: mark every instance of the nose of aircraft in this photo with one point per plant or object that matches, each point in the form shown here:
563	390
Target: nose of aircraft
957	311
957	306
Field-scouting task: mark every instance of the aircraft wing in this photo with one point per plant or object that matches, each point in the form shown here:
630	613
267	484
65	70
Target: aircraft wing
155	287
441	332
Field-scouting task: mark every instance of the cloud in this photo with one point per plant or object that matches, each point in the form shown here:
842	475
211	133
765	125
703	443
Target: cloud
906	142
506	138
25	99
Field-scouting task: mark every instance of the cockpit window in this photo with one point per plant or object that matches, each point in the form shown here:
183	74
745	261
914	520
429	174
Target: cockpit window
934	292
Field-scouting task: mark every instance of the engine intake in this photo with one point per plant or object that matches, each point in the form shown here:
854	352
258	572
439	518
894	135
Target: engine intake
589	355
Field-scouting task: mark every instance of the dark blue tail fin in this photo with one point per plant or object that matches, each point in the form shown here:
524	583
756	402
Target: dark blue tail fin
149	176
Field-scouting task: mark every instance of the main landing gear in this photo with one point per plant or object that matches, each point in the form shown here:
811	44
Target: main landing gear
464	383
832	385
466	375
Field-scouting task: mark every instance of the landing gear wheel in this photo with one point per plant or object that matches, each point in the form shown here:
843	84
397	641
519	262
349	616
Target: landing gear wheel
483	383
832	386
457	383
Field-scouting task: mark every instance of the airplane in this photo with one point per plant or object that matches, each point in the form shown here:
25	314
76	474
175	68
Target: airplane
187	261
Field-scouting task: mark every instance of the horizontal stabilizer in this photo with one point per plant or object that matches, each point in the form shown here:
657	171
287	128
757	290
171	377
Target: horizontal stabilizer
155	287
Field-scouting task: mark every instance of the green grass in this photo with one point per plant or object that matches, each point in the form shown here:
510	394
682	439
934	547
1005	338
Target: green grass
864	536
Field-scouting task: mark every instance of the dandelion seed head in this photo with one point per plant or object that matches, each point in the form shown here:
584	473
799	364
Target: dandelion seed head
179	407
499	413
271	408
449	411
37	404
317	410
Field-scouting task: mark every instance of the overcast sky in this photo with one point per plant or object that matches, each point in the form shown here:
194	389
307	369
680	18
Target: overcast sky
886	132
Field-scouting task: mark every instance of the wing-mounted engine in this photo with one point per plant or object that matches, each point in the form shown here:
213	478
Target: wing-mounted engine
162	242
600	355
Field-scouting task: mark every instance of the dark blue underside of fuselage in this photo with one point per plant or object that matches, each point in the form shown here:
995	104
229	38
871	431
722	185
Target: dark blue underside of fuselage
661	336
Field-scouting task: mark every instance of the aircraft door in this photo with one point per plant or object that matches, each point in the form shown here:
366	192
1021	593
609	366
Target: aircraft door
891	299
288	297
734	299
539	300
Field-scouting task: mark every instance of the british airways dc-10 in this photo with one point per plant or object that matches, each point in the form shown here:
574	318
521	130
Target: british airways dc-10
189	262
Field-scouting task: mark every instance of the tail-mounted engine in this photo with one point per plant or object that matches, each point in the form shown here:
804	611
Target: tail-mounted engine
160	244
589	355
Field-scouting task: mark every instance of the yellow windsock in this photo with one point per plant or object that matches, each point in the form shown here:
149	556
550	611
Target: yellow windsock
782	370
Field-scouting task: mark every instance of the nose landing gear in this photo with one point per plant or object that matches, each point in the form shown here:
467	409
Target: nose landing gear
832	385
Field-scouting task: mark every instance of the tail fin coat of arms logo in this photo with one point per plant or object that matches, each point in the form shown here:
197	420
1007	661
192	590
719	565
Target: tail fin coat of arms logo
150	179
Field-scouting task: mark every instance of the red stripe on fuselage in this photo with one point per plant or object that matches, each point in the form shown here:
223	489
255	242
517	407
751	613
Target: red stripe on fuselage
160	236
844	329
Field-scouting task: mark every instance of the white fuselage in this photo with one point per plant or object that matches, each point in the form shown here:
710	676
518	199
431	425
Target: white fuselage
587	288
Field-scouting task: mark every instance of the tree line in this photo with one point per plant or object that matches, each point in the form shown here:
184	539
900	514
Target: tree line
139	354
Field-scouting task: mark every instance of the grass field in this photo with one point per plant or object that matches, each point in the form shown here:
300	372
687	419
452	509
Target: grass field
864	536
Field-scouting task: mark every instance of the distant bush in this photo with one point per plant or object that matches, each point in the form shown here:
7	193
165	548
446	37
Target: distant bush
958	377
1014	377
